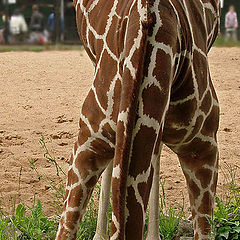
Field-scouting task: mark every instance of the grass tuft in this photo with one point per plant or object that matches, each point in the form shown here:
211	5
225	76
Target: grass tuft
169	218
226	218
21	226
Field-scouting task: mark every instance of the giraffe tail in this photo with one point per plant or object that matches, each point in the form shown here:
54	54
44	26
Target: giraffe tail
135	47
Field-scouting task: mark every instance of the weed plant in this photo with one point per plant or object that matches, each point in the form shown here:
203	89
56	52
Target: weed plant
169	218
226	219
20	226
36	226
56	187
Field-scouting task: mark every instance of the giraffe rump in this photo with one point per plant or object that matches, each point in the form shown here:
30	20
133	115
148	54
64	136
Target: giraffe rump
152	86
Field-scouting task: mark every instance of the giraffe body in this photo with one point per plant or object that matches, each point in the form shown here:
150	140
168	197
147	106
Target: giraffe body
151	86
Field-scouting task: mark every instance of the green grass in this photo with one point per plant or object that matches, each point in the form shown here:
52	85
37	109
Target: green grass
221	43
32	226
38	48
226	219
169	218
226	224
31	223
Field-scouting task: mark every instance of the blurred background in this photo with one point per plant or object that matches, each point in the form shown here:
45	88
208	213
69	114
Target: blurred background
37	22
50	22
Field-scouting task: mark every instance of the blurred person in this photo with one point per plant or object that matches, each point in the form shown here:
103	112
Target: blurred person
18	26
51	26
2	40
37	20
3	29
231	24
51	23
38	34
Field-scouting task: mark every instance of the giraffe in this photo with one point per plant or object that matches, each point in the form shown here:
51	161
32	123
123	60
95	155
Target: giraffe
152	86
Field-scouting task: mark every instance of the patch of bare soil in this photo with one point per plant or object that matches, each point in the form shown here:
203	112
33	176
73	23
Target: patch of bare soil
41	95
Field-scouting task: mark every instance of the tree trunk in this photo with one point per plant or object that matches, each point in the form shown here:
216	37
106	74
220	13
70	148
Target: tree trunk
57	21
6	30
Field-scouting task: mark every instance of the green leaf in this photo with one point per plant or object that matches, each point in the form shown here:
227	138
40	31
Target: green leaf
20	211
224	231
236	229
235	236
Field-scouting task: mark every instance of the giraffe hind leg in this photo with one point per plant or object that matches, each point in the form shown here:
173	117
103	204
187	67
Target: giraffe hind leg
91	155
201	171
153	224
102	222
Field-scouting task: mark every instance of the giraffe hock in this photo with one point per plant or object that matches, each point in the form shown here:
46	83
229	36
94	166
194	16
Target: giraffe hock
90	157
201	174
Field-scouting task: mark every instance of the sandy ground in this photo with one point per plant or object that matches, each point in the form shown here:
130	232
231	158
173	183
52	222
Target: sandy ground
41	95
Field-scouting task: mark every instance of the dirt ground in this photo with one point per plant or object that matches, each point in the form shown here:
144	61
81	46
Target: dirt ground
41	95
